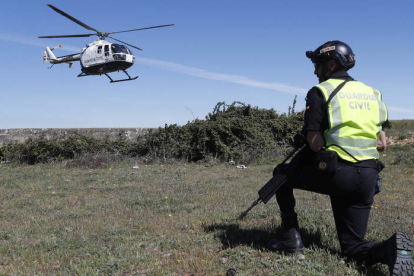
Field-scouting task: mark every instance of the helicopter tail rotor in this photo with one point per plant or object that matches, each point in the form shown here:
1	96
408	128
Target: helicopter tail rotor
48	54
57	47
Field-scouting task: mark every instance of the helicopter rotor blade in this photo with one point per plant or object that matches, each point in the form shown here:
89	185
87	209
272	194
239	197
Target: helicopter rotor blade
125	43
60	36
73	19
142	29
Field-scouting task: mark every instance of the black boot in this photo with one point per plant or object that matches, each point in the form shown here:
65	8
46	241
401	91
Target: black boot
291	242
398	254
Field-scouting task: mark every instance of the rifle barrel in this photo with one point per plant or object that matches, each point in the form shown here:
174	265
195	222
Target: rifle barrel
248	209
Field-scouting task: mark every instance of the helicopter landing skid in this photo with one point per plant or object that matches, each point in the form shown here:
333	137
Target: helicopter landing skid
128	79
83	75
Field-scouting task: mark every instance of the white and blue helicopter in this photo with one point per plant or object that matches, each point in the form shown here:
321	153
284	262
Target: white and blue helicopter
99	57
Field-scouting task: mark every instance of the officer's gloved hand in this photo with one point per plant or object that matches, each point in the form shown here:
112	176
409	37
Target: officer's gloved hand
299	140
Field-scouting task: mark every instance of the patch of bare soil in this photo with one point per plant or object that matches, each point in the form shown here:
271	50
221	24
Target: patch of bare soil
392	140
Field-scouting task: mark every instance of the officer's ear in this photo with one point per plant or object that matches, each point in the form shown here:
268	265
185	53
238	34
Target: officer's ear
333	65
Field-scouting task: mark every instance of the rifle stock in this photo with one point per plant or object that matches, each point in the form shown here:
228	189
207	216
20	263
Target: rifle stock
280	177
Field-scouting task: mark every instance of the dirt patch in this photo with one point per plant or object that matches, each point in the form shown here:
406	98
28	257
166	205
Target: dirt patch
392	140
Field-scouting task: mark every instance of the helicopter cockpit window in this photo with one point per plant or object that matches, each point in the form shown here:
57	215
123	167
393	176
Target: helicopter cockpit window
99	49
106	49
119	56
120	49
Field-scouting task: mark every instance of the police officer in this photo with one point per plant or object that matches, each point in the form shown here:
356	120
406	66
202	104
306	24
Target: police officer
344	122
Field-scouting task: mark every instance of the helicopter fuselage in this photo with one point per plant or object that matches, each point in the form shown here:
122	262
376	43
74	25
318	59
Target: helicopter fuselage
101	57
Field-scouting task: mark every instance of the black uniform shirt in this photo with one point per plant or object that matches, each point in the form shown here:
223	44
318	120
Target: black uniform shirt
316	117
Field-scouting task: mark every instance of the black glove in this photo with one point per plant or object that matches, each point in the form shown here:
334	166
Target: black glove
299	140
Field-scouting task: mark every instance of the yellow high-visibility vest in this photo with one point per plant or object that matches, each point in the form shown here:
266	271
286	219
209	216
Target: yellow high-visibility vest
355	114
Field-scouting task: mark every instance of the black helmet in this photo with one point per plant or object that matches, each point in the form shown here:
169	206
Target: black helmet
334	49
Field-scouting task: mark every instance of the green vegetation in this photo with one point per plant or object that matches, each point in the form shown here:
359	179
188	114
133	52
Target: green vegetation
237	131
174	219
44	150
100	209
401	129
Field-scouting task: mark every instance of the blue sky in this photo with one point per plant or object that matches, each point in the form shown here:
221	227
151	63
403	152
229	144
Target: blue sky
248	51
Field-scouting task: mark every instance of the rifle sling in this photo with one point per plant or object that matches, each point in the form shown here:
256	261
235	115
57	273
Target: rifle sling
339	87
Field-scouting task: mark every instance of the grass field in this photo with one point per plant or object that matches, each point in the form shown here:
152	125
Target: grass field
177	219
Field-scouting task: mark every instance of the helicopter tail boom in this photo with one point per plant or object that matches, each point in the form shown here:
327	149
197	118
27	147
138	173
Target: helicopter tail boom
48	55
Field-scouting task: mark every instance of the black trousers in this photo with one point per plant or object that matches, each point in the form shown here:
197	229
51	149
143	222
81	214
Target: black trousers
351	190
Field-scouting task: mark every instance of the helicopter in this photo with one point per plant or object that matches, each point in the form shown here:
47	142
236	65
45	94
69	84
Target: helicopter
100	57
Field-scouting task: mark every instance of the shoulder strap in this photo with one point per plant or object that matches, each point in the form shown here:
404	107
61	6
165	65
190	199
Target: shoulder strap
339	87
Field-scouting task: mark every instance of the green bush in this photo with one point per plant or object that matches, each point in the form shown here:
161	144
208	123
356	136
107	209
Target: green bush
45	150
238	131
402	124
401	129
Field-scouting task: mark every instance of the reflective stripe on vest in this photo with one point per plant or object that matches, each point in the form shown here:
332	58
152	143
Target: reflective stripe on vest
355	114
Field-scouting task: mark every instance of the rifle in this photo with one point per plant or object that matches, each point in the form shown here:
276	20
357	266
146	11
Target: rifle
280	176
